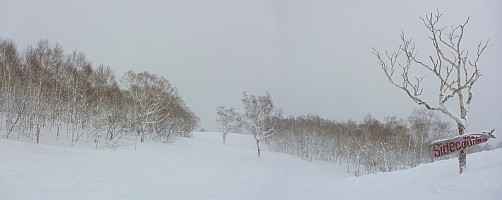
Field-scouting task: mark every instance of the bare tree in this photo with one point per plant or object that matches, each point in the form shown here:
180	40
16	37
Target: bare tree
228	121
426	126
10	63
454	68
261	117
150	96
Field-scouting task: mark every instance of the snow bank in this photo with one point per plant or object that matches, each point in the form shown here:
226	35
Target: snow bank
438	180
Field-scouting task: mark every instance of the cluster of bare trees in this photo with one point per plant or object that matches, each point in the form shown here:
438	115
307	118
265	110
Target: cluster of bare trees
261	119
63	92
368	146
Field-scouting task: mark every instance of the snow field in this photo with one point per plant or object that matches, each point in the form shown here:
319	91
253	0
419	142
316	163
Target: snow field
202	168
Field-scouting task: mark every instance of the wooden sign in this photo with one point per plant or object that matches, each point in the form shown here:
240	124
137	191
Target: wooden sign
448	146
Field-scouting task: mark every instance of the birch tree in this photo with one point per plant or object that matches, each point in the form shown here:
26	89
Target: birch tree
421	123
228	121
45	84
11	95
454	68
77	86
261	117
151	98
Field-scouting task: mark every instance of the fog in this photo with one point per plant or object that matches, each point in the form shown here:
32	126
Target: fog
313	57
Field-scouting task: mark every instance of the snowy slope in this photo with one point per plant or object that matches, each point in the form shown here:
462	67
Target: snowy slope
440	180
202	168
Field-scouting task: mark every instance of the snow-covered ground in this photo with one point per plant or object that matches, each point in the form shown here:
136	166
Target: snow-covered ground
202	168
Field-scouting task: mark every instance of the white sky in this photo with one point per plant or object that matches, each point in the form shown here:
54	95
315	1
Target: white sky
314	57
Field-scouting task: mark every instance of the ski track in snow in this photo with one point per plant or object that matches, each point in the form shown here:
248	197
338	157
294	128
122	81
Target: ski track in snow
203	168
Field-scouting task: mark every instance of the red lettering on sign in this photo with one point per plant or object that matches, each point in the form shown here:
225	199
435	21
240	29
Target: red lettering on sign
445	147
458	146
436	150
469	141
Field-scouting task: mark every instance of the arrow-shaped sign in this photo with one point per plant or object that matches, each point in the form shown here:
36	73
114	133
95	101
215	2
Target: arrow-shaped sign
443	147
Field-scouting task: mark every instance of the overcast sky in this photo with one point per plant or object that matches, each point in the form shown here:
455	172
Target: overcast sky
314	57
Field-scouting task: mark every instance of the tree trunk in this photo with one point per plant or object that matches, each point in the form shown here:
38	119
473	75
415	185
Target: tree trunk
462	157
258	147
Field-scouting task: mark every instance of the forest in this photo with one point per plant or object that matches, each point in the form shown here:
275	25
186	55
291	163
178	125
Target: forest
44	87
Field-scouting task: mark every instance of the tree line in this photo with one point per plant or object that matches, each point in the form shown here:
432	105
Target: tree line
44	86
368	146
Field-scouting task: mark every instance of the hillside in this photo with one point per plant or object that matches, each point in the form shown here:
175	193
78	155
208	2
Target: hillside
202	168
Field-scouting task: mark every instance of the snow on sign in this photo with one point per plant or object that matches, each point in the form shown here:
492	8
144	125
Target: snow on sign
443	147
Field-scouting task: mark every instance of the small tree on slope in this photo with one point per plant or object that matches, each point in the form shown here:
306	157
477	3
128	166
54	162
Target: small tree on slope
261	117
450	64
228	121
